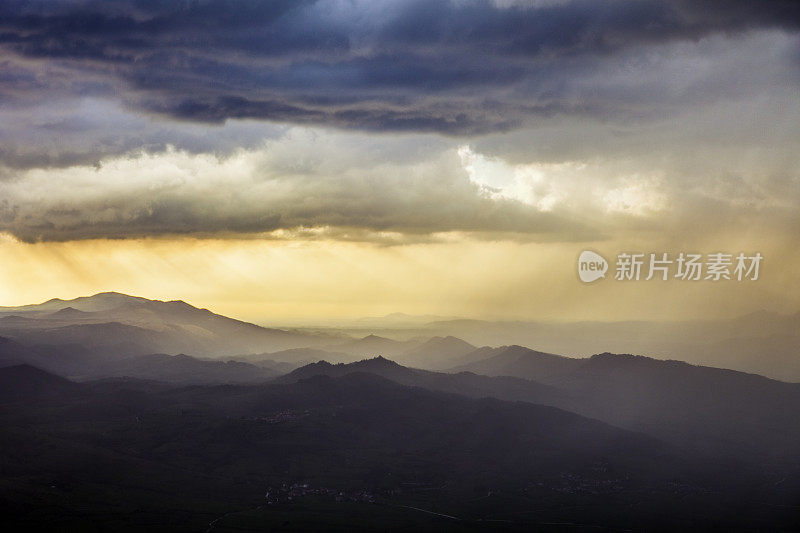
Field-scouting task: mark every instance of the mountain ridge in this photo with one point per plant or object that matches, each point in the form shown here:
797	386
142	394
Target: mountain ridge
172	326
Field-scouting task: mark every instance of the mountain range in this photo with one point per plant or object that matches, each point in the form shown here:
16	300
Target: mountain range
762	342
708	409
110	332
121	324
106	420
354	452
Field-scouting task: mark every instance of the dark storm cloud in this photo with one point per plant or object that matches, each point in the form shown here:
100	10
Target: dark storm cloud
560	118
458	67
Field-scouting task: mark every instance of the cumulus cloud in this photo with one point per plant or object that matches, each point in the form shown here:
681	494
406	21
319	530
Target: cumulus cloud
312	184
307	184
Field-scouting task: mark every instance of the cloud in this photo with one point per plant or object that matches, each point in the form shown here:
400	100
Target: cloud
87	130
459	67
396	121
306	184
317	184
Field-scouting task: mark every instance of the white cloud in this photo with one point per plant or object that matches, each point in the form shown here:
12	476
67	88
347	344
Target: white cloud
309	182
635	196
568	186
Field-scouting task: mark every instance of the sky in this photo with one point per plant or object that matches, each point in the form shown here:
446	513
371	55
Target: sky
301	160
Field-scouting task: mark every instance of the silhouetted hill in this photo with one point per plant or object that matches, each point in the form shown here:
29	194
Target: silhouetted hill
762	342
355	452
717	411
379	366
25	382
112	337
373	345
69	313
436	353
721	410
65	359
465	383
12	352
126	325
297	357
103	301
17	321
517	361
183	369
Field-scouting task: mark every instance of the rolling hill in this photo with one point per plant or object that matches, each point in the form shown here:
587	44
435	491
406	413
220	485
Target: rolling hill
436	353
516	361
691	405
373	345
353	452
762	342
465	383
26	383
182	368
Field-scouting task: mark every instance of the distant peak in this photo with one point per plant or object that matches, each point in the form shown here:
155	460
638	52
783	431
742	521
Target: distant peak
113	293
27	370
517	349
610	354
112	296
22	367
619	356
67	312
108	295
379	360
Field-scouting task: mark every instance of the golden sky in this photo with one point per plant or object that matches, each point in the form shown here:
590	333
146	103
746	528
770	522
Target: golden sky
312	282
331	160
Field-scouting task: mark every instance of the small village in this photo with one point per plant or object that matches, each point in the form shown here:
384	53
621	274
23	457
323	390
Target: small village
289	493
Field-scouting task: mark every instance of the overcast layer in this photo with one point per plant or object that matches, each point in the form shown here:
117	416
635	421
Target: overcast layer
542	120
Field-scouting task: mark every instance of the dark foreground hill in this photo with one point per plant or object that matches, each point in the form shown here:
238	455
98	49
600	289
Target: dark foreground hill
80	364
182	369
354	453
706	409
465	383
722	410
25	383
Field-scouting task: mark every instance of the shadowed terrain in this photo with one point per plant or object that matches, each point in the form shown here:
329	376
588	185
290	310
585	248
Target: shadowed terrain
508	438
123	454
